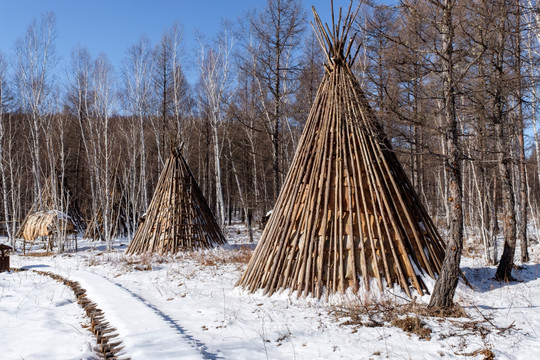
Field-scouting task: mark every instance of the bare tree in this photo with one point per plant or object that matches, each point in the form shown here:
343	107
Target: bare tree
441	18
533	41
172	91
309	78
3	173
215	71
181	101
244	137
35	60
531	45
272	37
103	105
520	128
500	117
79	101
137	75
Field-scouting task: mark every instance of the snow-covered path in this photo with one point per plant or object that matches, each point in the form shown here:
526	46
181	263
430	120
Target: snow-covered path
145	332
187	306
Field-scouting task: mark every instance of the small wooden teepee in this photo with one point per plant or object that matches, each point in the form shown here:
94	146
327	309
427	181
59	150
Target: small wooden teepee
347	212
119	216
178	217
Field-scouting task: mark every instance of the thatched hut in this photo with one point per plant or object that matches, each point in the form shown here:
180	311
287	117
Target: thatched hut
56	197
48	225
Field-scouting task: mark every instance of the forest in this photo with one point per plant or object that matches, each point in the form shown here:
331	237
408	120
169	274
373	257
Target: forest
454	84
363	184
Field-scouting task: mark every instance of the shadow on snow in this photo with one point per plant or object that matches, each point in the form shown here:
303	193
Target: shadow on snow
199	345
483	279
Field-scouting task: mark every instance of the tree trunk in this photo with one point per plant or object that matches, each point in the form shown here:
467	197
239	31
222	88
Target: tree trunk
217	163
504	270
522	225
7	216
247	211
494	223
445	287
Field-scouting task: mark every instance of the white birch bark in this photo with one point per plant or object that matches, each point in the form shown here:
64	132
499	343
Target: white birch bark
138	92
103	105
35	60
3	174
215	73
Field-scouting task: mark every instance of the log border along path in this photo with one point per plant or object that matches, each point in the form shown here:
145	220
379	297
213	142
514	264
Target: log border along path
128	327
105	335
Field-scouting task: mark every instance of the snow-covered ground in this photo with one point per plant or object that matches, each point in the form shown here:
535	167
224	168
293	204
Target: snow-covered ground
187	307
39	319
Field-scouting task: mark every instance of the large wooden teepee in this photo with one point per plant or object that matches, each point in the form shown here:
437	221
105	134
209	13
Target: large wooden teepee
347	212
178	217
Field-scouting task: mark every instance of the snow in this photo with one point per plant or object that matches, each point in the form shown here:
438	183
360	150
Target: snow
187	306
39	319
134	320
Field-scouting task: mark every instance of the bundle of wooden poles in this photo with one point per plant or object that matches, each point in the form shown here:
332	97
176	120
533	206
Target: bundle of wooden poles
178	217
347	214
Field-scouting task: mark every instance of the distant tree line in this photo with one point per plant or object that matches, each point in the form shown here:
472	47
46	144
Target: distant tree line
453	82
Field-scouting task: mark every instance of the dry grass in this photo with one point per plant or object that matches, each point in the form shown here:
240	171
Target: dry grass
207	258
241	255
143	262
455	312
221	256
142	267
486	351
372	313
413	325
39	254
407	316
413	318
366	313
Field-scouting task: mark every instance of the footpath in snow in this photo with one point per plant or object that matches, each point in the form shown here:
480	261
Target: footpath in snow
145	332
187	306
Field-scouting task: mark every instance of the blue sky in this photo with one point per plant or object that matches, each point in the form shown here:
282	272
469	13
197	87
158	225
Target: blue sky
111	26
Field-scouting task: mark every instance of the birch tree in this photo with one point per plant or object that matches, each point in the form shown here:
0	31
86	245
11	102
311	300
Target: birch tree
533	42
34	64
520	129
500	118
3	171
137	75
79	101
215	72
103	105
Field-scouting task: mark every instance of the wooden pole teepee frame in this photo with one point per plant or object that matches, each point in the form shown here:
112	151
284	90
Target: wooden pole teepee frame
178	217
120	216
347	211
